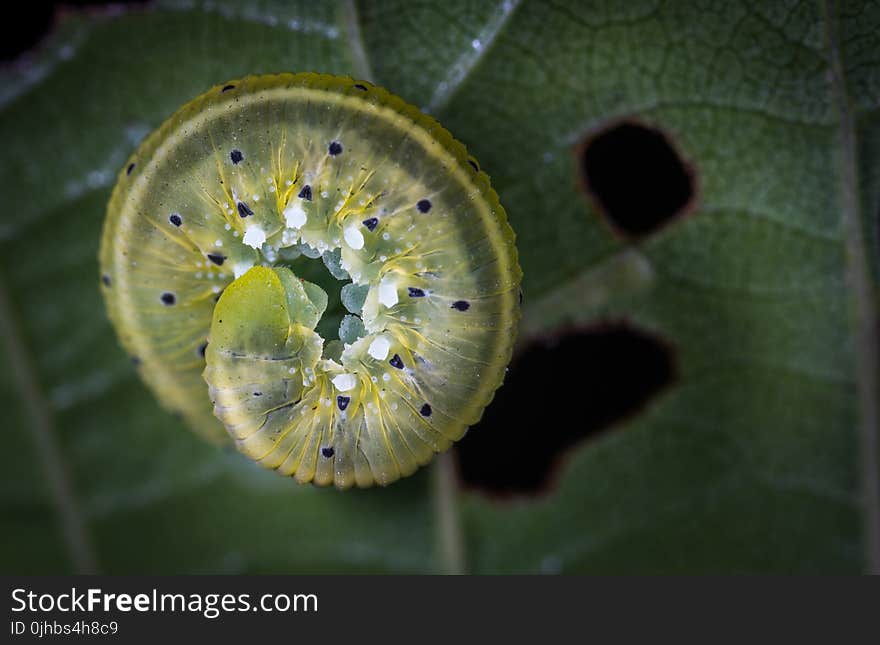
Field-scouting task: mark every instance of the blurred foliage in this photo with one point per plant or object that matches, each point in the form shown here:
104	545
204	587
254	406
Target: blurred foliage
749	462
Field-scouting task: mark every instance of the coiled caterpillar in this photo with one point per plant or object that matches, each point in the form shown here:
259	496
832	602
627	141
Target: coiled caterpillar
206	227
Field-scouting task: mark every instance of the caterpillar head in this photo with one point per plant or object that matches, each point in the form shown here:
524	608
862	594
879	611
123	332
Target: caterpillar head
221	218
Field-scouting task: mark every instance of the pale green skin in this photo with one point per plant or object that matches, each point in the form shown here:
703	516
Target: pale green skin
270	387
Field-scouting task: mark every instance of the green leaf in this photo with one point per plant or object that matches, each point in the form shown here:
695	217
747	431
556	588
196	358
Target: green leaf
761	456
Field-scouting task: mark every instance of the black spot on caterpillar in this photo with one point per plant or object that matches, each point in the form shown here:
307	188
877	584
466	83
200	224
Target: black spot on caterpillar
319	175
244	210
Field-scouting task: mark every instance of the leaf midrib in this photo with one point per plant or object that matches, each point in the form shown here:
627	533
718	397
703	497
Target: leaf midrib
860	278
71	521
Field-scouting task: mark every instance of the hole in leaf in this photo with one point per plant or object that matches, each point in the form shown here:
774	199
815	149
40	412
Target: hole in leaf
636	177
556	395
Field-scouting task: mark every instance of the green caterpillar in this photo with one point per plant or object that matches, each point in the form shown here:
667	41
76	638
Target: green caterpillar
208	224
